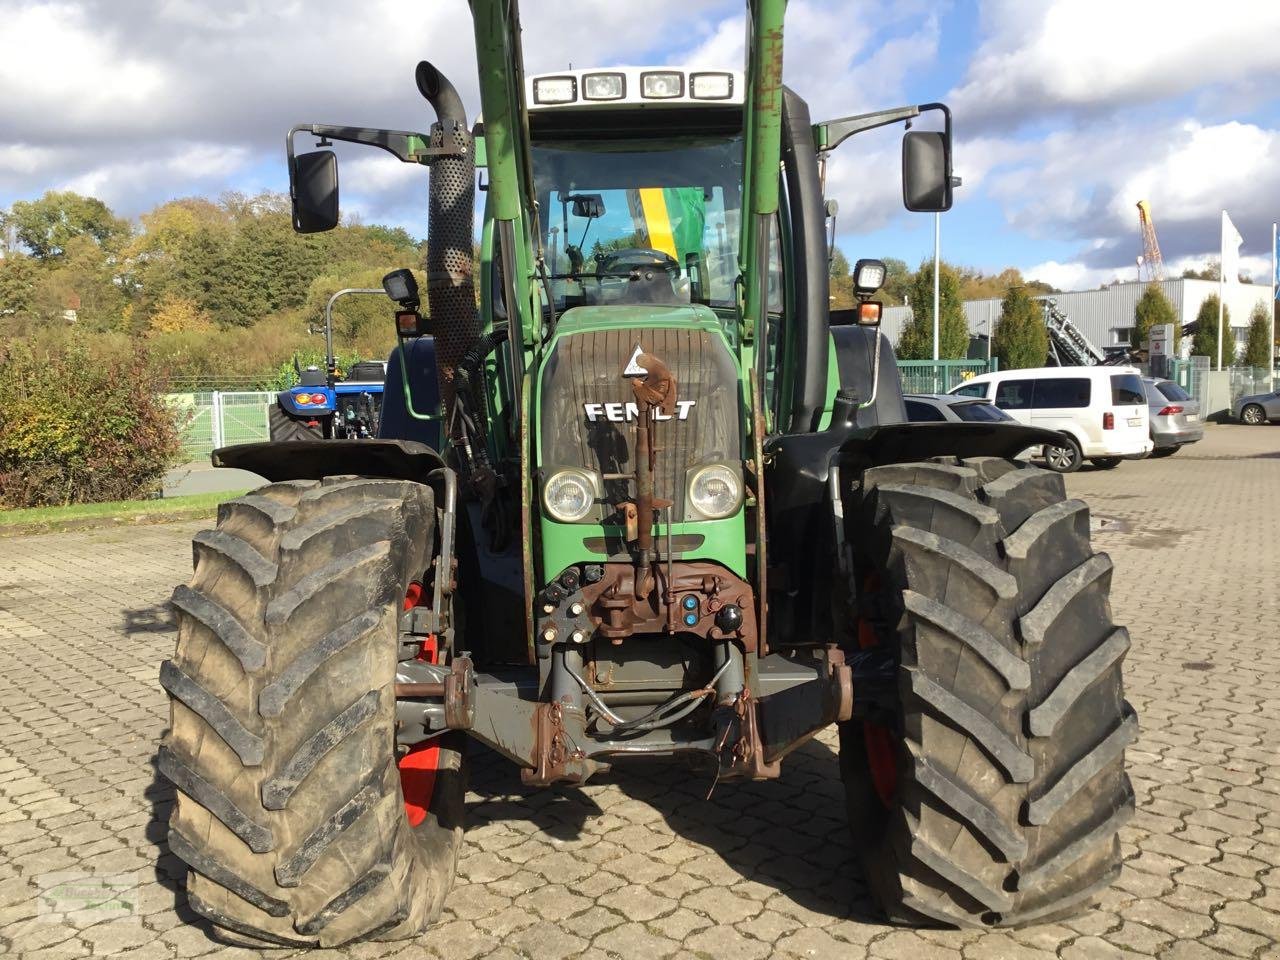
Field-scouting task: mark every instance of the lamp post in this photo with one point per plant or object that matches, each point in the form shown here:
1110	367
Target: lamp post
937	264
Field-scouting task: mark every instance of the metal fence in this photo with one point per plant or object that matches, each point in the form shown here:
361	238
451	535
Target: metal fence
1192	375
1246	381
925	376
219	418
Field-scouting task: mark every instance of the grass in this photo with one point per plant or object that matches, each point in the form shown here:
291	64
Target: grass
49	519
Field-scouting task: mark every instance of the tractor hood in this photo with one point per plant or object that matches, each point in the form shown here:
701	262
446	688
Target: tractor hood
588	412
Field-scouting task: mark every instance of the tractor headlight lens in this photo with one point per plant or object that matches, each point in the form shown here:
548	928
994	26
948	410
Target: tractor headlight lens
711	86
715	492
661	86
569	495
555	90
603	86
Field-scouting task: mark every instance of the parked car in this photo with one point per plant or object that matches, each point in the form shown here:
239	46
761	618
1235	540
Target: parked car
1257	409
1100	412
1174	414
940	407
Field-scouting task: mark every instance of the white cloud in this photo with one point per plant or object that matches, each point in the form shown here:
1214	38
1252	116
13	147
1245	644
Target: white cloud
1086	189
1086	55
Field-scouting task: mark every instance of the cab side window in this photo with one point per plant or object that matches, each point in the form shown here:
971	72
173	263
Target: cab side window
971	390
1014	394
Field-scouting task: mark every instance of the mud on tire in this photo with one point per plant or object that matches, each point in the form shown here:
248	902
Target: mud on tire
1002	772
289	810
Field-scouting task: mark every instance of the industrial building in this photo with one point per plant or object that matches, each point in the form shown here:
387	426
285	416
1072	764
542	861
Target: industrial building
1106	316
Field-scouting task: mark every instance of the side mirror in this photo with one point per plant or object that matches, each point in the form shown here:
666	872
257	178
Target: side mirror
926	171
313	190
588	205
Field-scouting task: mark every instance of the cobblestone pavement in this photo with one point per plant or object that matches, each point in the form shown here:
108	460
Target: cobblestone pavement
639	864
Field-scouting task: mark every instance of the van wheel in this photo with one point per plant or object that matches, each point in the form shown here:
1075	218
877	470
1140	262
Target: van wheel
1064	457
1106	463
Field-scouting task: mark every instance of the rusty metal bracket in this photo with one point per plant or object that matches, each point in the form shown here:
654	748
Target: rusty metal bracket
459	706
557	758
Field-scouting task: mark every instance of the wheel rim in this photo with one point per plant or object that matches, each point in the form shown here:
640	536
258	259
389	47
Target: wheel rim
419	766
1251	415
1060	458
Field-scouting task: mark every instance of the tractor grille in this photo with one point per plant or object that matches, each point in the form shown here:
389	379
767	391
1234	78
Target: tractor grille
586	368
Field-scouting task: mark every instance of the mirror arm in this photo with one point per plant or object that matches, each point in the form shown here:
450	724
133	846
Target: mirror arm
832	133
829	135
404	145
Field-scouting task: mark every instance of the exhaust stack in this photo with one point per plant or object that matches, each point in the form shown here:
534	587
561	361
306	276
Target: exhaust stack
451	294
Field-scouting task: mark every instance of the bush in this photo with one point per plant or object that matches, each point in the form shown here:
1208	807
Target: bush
1153	310
916	342
1205	341
1021	339
1257	351
81	428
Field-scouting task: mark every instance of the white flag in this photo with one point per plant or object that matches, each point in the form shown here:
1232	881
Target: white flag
1231	241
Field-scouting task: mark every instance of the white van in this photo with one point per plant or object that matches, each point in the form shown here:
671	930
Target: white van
1101	412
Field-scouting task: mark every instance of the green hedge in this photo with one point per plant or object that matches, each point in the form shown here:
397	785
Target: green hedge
81	428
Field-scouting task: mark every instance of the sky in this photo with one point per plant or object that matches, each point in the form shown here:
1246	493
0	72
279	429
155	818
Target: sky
1066	112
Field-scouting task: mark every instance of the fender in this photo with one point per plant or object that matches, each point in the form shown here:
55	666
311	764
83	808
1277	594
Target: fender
317	459
289	404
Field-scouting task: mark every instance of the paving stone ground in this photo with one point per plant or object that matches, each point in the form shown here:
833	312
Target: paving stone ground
639	864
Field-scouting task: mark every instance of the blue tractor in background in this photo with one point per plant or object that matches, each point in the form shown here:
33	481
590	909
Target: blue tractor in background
329	404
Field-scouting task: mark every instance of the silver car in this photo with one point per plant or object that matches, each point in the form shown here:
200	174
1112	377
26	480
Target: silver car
1175	416
1257	409
945	407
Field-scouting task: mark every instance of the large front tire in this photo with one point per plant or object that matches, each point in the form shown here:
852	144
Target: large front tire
991	792
289	807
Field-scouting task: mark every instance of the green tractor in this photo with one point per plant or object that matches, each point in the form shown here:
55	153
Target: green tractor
678	513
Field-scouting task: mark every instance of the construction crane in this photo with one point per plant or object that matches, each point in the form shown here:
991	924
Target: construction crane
1150	264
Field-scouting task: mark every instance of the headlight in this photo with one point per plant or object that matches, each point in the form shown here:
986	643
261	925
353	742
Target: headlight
715	491
569	495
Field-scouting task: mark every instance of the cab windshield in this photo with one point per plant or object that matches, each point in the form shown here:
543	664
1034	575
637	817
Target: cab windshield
651	222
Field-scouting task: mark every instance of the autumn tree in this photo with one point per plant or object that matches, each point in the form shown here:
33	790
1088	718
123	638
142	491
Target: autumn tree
1020	339
953	332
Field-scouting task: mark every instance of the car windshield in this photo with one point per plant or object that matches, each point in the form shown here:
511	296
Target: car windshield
979	412
668	209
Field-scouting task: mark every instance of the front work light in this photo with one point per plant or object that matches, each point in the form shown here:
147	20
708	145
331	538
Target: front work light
402	288
715	492
661	85
604	86
555	90
711	86
868	277
569	495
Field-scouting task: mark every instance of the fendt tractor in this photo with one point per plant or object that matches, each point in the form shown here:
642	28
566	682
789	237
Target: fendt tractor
677	513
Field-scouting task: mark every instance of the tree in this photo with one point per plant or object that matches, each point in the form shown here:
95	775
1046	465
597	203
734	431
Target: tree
46	226
839	264
1258	349
1020	339
1205	341
953	331
897	282
1153	309
177	314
